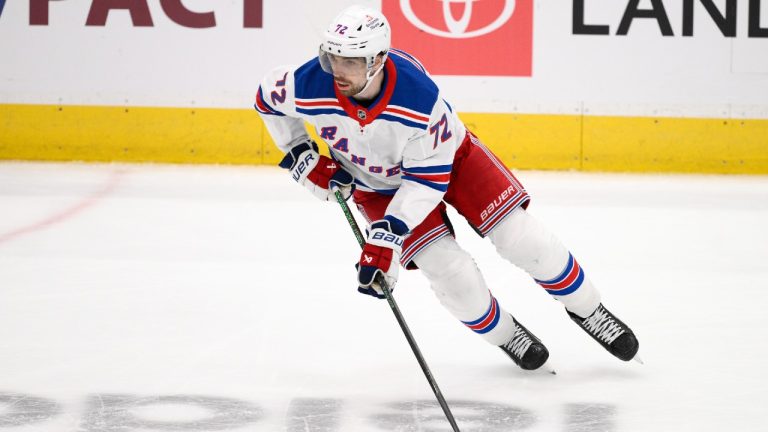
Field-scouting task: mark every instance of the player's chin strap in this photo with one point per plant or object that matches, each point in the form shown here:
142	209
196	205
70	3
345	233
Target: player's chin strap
369	78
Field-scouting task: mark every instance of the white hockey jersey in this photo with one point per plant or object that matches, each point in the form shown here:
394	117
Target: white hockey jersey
403	144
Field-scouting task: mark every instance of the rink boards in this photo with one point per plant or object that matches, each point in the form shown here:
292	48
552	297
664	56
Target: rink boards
525	141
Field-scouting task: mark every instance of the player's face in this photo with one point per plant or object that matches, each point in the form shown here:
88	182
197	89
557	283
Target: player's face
349	74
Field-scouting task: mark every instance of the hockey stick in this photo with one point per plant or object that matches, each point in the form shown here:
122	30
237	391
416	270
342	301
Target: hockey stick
398	315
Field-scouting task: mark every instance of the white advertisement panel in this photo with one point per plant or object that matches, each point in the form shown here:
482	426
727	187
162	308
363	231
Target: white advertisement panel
681	58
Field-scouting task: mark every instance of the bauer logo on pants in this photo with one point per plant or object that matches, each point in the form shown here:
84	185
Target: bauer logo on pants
465	37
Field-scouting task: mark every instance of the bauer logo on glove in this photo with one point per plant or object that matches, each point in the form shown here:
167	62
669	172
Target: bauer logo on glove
316	172
308	162
386	237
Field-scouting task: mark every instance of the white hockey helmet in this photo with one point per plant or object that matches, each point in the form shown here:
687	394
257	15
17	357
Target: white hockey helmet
357	31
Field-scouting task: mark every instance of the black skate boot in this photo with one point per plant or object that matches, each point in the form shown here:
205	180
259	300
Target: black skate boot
610	332
525	349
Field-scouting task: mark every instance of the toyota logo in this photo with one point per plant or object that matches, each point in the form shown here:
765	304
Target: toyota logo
457	29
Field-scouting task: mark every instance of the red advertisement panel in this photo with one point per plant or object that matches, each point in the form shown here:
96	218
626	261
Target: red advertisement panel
465	37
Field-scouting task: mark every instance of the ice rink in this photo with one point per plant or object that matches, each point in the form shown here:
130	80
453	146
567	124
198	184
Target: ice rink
177	298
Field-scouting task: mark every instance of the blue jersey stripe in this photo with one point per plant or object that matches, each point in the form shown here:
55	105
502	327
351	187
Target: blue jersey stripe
381	191
274	113
319	111
409	123
435	186
437	169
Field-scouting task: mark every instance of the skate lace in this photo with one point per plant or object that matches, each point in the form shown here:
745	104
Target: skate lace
519	343
602	325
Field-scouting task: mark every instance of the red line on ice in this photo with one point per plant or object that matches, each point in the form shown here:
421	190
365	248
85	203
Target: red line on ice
59	217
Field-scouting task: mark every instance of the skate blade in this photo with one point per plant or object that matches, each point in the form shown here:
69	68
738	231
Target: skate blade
547	367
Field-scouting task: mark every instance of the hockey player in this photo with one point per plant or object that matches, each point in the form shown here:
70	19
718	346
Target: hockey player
400	151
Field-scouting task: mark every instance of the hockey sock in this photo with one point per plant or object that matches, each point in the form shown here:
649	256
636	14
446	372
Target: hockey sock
525	242
461	289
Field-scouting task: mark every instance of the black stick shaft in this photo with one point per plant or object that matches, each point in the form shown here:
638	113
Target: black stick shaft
399	316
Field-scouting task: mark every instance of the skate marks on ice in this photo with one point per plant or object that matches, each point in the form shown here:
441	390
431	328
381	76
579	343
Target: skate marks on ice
198	413
20	409
582	417
427	416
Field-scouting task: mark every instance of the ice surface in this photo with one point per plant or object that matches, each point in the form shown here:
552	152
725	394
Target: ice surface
175	298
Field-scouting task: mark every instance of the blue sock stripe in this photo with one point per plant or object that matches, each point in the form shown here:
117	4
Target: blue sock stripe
490	326
573	287
561	276
487	321
483	317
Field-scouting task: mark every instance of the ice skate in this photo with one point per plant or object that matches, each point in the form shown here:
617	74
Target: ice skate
610	332
525	349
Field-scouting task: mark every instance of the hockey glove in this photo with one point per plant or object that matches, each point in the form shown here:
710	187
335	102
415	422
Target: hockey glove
317	172
381	255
